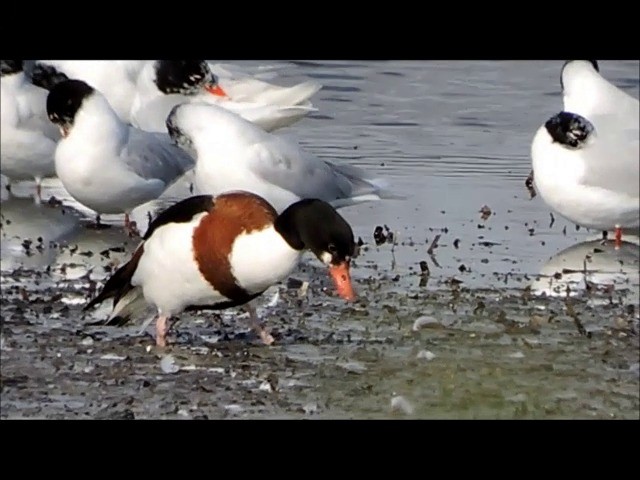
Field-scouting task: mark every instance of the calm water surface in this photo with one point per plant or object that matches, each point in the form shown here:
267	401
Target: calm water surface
497	337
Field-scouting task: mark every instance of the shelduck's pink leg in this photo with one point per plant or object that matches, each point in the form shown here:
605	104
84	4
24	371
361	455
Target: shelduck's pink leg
254	321
162	327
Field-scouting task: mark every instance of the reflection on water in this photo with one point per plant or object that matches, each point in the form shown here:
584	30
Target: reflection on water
31	231
58	237
591	268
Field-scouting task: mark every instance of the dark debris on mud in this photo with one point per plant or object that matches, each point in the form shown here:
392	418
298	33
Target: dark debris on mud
55	364
60	363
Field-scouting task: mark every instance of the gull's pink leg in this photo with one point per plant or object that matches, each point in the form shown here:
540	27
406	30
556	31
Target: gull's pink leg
618	242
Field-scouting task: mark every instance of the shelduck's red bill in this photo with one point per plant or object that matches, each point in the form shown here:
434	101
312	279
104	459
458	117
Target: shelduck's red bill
216	90
342	279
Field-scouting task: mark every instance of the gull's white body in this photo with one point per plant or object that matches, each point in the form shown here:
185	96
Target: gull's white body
596	186
152	115
151	106
111	167
245	88
28	139
234	154
588	93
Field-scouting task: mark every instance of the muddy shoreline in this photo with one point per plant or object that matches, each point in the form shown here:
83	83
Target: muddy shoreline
447	350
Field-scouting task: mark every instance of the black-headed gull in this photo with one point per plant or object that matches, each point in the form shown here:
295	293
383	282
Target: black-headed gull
206	253
586	92
234	154
162	84
587	169
105	164
28	139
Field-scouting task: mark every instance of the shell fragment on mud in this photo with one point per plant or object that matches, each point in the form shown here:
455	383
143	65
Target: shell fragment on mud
168	364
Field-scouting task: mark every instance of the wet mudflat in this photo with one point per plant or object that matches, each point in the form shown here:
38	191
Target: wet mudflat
474	300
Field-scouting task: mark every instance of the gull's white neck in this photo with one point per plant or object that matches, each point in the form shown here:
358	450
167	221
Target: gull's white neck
98	126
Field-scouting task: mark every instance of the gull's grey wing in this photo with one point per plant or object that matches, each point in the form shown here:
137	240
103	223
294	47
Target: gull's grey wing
287	166
154	156
152	115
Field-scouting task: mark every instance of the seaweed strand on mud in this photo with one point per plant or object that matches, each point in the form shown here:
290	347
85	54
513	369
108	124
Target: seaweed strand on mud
574	316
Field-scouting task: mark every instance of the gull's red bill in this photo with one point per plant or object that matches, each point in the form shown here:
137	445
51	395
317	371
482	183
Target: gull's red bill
216	90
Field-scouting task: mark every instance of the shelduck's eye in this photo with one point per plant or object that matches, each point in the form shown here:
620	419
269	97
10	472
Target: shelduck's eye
332	248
